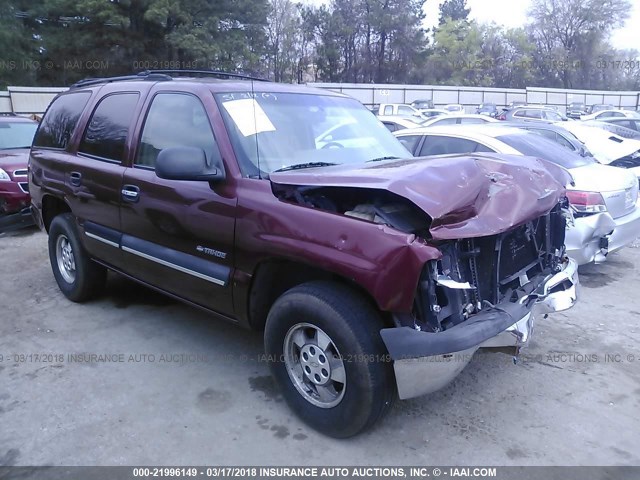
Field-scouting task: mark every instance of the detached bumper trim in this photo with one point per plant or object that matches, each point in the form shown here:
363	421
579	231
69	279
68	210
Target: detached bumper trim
404	342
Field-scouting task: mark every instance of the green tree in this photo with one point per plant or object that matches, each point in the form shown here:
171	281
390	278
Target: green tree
18	45
565	30
453	10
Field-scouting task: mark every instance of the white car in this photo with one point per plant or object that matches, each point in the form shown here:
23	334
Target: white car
459	119
607	147
604	114
603	199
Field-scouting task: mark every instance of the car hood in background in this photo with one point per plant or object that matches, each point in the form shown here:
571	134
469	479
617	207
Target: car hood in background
605	146
465	195
14	159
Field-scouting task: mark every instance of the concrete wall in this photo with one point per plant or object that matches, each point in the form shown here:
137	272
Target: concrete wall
471	97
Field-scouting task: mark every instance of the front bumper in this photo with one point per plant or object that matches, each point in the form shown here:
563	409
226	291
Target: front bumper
16	221
591	238
425	362
12	197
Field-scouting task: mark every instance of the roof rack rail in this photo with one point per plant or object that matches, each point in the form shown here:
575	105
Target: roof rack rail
164	75
141	76
210	73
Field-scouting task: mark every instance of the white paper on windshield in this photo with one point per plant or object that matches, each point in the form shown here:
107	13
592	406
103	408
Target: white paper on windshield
249	116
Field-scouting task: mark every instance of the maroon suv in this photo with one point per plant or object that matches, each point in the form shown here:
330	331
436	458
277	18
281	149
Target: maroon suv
295	211
16	135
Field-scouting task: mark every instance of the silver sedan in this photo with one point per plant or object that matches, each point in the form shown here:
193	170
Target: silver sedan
605	211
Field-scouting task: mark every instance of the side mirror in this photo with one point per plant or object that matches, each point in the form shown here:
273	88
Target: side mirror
188	163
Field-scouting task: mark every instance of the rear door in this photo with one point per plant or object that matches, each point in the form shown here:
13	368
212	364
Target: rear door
178	235
94	174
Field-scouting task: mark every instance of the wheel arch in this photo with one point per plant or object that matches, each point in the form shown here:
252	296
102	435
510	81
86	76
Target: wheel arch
53	206
274	277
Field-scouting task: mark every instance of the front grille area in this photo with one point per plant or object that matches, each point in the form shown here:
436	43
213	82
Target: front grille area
500	267
24	186
20	173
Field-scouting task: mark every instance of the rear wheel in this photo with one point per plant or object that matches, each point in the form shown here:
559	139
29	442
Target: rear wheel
78	277
329	359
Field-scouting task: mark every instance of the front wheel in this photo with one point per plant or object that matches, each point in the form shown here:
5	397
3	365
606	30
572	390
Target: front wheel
329	359
78	277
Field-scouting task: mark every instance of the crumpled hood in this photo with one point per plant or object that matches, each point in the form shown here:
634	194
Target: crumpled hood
465	195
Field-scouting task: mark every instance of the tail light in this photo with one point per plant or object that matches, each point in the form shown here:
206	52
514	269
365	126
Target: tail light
586	202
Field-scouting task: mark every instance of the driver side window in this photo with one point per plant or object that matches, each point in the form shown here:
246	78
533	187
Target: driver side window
174	120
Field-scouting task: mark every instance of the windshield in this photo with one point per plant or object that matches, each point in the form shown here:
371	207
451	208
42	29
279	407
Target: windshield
16	134
534	145
275	131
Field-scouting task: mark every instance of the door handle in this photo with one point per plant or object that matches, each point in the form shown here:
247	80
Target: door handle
130	193
75	178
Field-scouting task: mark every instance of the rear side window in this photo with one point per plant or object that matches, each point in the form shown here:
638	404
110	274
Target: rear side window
175	120
446	121
472	121
61	119
534	146
554	137
106	134
436	145
529	114
409	141
388	110
611	115
625	123
553	116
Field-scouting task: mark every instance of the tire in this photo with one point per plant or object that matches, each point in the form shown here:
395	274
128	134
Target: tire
78	277
296	325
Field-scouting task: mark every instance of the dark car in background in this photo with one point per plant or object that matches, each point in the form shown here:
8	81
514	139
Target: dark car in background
16	135
576	109
598	107
489	109
422	104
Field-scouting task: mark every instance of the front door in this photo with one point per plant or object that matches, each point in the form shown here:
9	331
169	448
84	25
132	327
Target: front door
178	235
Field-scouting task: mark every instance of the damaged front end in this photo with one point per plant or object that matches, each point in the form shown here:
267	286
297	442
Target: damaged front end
495	231
481	293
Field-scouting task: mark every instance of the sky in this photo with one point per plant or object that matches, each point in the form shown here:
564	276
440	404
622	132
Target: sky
513	13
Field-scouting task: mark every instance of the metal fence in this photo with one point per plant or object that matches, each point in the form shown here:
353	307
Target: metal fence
470	97
27	100
34	100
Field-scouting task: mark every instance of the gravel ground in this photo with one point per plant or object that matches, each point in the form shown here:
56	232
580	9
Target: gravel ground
193	390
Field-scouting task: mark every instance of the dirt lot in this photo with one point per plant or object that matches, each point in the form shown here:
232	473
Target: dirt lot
202	395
